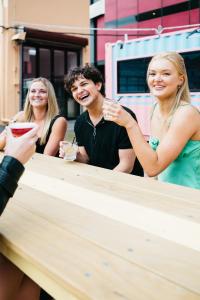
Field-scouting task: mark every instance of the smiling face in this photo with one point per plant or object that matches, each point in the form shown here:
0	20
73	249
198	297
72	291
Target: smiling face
85	91
163	79
38	95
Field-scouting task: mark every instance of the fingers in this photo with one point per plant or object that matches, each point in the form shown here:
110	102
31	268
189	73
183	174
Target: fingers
32	132
30	135
34	140
61	151
8	132
3	133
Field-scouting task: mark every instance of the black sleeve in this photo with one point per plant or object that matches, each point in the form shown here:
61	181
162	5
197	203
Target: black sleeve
130	112
124	142
78	130
10	172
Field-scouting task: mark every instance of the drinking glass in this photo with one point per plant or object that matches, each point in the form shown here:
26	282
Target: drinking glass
70	150
110	102
20	128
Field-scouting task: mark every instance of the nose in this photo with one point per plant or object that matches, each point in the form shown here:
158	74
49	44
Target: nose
79	89
158	77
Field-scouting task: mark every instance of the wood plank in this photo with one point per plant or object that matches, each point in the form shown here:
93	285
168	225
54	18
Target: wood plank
176	200
172	261
82	268
151	220
111	176
84	232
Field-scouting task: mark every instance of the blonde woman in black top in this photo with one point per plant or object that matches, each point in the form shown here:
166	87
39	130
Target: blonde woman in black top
41	108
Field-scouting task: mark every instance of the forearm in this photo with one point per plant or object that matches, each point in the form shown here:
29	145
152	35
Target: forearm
82	158
2	141
123	167
145	154
10	172
4	195
51	151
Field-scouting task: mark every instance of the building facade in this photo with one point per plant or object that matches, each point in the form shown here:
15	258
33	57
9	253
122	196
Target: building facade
40	38
135	14
141	29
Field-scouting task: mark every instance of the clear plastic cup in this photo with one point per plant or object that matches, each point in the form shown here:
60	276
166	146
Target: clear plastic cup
70	150
109	102
20	128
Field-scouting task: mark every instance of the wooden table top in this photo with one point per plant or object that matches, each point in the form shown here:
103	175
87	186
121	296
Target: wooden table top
83	232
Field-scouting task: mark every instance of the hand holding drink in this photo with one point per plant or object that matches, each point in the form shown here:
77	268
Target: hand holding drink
20	128
22	147
68	150
108	107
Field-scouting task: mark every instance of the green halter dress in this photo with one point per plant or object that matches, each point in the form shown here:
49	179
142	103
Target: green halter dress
185	169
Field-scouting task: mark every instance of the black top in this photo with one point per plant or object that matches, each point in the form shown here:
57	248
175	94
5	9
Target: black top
10	172
103	141
40	148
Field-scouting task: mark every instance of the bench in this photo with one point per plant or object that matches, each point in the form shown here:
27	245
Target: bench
86	233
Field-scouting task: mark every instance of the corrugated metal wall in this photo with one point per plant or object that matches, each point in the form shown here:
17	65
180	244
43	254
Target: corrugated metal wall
145	47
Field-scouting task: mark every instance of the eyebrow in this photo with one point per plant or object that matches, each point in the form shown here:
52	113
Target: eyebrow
160	70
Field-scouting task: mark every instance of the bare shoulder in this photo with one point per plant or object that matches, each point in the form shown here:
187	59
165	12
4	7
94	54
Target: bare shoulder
187	111
187	117
19	117
60	122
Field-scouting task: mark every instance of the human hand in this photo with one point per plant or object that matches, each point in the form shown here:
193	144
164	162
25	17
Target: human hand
23	147
69	149
118	114
2	139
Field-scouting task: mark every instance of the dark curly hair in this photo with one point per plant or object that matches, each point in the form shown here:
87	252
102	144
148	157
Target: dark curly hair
88	72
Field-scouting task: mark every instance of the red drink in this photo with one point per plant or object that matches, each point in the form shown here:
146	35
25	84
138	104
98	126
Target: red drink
19	129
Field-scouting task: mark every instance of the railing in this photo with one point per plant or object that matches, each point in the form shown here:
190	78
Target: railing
83	232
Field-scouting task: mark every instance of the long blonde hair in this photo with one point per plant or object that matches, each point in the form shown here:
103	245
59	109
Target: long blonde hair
183	92
52	107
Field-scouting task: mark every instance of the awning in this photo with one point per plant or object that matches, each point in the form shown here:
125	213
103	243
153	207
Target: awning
35	34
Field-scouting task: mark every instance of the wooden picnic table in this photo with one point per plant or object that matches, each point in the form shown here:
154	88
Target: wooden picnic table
86	233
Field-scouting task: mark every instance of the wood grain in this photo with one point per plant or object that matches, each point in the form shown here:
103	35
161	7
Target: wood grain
83	232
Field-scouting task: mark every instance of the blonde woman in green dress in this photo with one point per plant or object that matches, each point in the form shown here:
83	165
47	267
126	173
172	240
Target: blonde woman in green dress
173	152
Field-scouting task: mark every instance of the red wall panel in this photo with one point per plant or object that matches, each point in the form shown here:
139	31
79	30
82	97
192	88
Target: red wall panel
146	5
177	19
130	8
195	16
171	2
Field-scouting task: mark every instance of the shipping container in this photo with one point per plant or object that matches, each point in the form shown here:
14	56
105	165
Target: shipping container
126	66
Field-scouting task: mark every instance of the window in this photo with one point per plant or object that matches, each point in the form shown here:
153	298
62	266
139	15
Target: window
52	63
192	63
132	73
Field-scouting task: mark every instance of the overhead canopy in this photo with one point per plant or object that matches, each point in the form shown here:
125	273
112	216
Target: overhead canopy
35	34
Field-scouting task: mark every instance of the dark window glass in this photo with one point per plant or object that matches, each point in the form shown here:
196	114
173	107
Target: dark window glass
52	63
29	68
45	63
132	73
192	63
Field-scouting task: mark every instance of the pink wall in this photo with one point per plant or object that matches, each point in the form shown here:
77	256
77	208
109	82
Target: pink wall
148	5
171	2
119	9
